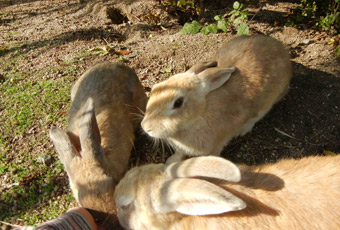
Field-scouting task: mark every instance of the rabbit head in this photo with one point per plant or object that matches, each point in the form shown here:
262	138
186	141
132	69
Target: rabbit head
180	100
91	185
149	196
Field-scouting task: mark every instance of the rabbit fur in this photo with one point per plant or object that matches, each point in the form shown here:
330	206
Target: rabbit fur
209	192
95	151
199	111
118	97
90	182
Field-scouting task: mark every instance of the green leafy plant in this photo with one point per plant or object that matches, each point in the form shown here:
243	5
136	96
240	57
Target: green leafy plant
324	15
329	20
237	19
191	28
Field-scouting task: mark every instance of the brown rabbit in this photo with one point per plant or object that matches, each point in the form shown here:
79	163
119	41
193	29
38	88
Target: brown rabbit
100	134
118	95
291	194
90	182
198	112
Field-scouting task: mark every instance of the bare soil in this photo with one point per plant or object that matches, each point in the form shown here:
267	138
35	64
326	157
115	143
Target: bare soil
306	122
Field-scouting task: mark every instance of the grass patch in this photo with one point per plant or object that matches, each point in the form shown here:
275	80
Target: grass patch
31	101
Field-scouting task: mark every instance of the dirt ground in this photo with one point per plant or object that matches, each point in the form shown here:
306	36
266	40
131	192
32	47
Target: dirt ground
305	122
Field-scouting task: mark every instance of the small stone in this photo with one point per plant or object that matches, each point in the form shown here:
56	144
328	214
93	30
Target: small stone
306	42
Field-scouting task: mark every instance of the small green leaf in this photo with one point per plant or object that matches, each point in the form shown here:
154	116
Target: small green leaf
337	51
212	28
168	70
232	12
243	29
237	22
121	59
236	5
191	28
218	18
222	25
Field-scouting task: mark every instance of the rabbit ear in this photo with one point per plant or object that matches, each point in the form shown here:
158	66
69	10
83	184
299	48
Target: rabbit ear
88	131
214	78
199	67
205	166
63	145
197	197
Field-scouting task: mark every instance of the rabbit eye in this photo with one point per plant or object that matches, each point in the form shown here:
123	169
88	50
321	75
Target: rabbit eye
178	103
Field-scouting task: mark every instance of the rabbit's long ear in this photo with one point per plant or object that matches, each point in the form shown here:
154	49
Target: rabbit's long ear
89	132
205	166
196	197
63	145
213	78
201	66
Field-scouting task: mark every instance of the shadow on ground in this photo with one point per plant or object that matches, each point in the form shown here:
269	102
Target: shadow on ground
306	122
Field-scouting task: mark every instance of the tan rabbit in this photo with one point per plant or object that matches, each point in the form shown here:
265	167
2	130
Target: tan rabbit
90	182
96	148
198	112
291	194
118	95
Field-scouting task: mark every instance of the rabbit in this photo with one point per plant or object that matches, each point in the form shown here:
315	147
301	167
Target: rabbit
199	111
96	148
118	97
90	182
209	192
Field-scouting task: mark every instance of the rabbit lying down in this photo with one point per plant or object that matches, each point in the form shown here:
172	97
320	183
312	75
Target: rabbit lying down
199	111
97	146
210	192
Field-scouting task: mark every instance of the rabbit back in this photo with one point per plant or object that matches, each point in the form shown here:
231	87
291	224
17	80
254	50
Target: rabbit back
118	96
261	78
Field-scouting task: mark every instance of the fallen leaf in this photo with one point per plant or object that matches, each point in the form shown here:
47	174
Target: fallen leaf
62	113
331	41
102	50
123	52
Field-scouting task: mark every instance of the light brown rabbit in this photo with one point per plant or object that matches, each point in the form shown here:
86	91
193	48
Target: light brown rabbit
291	194
198	112
90	182
97	146
118	95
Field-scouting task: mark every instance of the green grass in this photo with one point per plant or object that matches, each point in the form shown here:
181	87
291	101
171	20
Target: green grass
32	100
